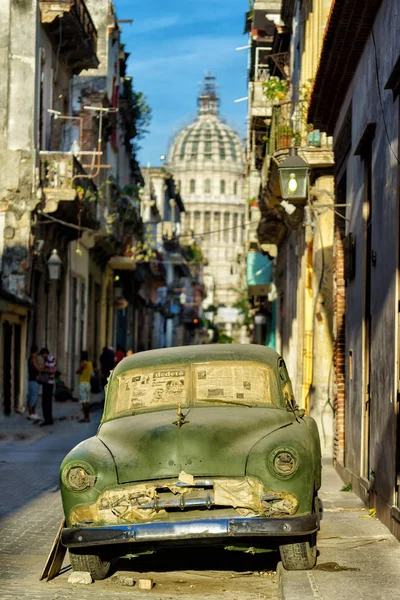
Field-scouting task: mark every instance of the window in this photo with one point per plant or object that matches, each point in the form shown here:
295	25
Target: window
217	225
235	188
192	186
197	222
226	227
207	222
235	228
207	186
222	186
188	217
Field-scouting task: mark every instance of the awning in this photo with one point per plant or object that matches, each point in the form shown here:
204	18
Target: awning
258	269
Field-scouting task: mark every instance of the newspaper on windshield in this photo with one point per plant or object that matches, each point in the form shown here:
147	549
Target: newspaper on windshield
152	388
247	383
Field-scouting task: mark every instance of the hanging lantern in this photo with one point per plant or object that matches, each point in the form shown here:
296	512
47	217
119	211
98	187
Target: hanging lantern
293	177
54	264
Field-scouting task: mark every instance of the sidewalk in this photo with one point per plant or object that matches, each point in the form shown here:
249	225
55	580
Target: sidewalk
17	427
358	557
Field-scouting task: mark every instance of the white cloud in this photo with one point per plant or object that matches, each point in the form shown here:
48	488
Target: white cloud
154	24
197	52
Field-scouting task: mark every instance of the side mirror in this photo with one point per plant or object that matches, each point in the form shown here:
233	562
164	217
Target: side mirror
292	406
290	403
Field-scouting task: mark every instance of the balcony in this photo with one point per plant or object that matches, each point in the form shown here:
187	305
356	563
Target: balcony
260	106
289	127
63	179
70	28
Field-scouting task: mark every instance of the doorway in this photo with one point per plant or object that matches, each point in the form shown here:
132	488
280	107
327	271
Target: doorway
367	317
13	372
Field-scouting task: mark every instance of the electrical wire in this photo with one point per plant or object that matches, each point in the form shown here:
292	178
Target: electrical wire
188	235
50	219
241	225
380	98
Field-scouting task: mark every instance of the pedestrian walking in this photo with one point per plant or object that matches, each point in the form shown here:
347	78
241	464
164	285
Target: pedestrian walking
120	354
34	369
107	363
46	378
85	372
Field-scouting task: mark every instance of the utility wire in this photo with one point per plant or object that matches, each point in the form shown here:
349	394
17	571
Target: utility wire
50	219
242	225
380	99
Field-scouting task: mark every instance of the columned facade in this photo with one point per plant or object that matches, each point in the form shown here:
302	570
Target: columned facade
207	161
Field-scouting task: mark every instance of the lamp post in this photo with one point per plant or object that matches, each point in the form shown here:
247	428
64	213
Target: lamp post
293	177
54	264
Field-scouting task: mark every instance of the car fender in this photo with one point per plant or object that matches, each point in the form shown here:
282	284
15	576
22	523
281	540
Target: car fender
93	455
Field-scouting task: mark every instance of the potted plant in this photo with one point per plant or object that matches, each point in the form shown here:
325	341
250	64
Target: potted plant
275	89
284	136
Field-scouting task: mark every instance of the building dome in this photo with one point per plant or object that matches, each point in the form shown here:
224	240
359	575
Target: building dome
208	142
207	162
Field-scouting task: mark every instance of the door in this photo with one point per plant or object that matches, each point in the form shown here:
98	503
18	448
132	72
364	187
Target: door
7	364
397	483
12	334
16	370
367	317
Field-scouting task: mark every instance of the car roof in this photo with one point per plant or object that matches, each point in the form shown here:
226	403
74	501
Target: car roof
199	354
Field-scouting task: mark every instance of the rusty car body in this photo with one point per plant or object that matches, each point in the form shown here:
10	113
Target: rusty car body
197	445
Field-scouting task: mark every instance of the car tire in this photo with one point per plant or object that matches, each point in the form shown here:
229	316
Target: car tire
301	555
91	563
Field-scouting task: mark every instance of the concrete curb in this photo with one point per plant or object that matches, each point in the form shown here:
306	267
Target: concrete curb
295	585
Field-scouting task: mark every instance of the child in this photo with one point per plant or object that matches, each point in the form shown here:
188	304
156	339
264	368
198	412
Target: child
85	371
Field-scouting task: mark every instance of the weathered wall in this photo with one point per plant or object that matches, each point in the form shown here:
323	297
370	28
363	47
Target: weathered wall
385	232
18	105
321	392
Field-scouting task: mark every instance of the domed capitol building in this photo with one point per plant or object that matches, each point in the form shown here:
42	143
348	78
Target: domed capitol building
208	164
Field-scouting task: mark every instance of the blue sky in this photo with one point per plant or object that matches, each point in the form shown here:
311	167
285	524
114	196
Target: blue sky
172	45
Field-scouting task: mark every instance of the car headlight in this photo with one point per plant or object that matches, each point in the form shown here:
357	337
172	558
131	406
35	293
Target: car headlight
77	478
283	462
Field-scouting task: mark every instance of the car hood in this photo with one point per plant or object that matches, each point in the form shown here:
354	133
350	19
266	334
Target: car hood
214	441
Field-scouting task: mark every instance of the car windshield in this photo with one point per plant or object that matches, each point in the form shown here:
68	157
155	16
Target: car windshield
234	382
221	382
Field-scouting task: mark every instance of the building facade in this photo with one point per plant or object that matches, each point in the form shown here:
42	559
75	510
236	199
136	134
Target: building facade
69	189
355	98
207	162
297	237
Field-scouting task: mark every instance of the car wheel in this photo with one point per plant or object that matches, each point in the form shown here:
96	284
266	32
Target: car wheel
91	563
301	555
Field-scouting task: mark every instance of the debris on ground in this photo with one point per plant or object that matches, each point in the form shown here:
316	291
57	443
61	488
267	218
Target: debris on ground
122	580
334	566
80	578
145	584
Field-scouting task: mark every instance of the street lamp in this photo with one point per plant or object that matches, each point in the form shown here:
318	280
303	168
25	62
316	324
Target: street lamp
293	177
54	264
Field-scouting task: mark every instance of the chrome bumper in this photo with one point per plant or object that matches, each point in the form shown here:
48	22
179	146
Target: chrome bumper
76	537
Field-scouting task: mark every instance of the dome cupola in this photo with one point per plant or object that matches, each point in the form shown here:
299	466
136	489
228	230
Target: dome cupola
208	142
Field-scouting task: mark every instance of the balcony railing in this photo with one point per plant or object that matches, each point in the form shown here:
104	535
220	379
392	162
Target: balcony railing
60	175
260	105
289	127
69	21
63	179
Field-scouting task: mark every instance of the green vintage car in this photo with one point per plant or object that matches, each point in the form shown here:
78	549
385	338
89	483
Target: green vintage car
197	445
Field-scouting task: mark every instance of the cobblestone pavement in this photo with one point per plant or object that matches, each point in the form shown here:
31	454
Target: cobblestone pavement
30	512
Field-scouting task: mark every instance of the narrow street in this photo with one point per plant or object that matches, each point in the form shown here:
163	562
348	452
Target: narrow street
199	236
357	558
30	510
